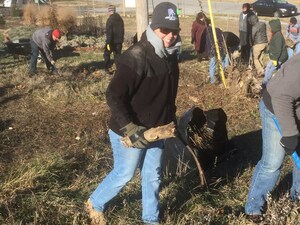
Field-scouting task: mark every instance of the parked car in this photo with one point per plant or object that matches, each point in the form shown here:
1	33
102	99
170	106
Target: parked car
276	8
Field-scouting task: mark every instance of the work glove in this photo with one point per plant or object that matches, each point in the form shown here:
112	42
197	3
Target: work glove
275	63
53	63
135	134
108	47
289	144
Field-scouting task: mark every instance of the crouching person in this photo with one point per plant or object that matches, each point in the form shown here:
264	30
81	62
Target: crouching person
141	95
43	40
280	114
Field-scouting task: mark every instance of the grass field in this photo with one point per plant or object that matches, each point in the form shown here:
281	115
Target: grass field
54	147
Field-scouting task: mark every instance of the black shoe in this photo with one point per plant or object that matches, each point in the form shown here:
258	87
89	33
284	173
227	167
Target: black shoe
255	218
31	74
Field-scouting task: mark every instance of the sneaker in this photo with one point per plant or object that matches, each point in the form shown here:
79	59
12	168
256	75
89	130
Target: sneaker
97	217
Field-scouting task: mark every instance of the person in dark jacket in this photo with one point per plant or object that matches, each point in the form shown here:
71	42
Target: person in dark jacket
259	43
211	49
280	114
245	32
141	95
114	37
43	40
277	50
198	35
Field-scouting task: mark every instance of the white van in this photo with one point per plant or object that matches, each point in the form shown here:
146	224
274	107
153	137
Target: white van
7	3
20	3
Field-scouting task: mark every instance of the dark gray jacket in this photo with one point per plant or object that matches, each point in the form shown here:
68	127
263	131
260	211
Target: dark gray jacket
43	38
243	22
114	29
259	31
282	96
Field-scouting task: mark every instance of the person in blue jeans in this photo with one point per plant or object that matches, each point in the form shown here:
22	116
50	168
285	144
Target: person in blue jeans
293	33
277	50
43	41
280	113
141	95
211	49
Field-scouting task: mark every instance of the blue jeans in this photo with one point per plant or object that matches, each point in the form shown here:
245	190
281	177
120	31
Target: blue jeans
293	51
269	71
34	57
213	65
35	50
267	170
126	162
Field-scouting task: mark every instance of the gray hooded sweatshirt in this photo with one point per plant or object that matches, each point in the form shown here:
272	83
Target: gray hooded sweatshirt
43	38
282	96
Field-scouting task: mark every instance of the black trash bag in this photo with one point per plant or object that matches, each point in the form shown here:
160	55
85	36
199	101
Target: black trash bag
213	122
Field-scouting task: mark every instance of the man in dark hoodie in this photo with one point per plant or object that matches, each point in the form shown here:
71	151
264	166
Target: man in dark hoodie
277	50
259	43
280	114
212	52
141	95
114	37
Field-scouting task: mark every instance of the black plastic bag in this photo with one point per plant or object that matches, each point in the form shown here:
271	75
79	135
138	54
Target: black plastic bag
176	155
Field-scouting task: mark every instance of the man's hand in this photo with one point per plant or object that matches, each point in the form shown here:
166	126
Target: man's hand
53	63
289	144
135	134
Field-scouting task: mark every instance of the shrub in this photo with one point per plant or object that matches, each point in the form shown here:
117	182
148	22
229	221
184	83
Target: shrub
66	19
89	25
62	18
2	21
42	17
29	14
15	11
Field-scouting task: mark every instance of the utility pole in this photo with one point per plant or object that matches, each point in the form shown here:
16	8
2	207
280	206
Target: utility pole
123	8
142	17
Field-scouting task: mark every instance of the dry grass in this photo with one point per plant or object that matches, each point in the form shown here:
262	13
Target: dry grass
54	148
57	17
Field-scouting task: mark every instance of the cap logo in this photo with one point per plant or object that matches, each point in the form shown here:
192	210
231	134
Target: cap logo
171	15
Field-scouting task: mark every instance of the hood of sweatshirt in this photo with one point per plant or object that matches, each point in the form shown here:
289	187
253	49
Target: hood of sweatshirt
275	25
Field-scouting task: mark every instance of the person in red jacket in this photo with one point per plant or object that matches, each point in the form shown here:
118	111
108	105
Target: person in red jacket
198	35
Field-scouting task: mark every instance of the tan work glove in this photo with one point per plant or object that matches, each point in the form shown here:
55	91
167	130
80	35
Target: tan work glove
135	134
